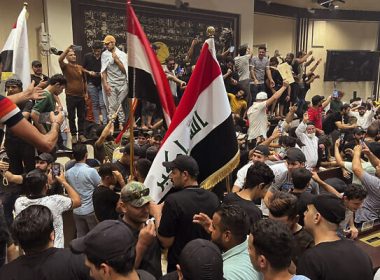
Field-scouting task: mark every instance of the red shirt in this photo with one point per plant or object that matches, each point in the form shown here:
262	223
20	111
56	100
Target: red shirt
315	116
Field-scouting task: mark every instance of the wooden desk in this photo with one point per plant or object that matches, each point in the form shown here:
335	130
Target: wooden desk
373	252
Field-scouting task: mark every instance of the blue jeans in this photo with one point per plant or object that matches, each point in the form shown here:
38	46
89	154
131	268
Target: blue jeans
98	105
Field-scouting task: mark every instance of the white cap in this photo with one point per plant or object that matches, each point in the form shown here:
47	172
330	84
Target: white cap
261	96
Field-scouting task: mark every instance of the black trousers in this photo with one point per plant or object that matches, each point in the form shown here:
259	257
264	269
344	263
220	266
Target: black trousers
21	156
76	107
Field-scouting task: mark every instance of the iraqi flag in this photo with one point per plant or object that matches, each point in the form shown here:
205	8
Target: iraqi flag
201	127
146	78
15	53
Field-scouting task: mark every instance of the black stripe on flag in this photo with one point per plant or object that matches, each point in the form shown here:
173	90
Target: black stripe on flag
7	60
216	149
141	86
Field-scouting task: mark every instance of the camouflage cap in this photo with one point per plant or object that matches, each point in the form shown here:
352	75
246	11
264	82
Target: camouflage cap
136	194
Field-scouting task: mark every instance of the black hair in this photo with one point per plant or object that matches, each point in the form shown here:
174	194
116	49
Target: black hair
262	48
344	107
283	204
301	178
106	169
273	60
169	58
32	228
14	82
234	219
287	141
57	79
354	191
258	173
229	59
151	153
122	264
243	49
79	151
35	182
142	166
372	130
273	240
97	45
300	54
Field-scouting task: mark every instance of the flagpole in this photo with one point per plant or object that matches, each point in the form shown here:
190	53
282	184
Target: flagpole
131	123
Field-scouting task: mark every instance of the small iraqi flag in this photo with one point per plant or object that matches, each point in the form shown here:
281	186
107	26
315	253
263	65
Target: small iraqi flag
15	53
146	78
202	127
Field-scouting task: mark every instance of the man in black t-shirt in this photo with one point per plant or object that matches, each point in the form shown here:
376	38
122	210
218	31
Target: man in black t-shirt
258	179
37	75
283	208
104	198
135	201
176	226
337	120
92	65
33	230
331	257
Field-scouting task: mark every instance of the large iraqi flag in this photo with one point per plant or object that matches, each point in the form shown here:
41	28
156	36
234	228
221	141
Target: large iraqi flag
15	53
146	78
202	127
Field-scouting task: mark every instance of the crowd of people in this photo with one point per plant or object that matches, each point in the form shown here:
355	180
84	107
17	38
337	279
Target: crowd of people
278	220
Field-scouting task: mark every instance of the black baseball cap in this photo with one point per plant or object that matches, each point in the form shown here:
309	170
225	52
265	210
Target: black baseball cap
201	259
261	149
330	207
107	240
359	130
36	63
295	154
45	157
183	163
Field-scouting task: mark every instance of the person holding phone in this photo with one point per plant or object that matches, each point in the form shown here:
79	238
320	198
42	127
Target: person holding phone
37	183
76	92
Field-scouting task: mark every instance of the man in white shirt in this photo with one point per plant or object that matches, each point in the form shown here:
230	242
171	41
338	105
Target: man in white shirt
171	76
306	133
258	119
364	116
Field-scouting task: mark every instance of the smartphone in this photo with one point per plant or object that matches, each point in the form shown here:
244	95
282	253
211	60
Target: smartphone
341	138
335	94
56	169
362	143
232	48
77	48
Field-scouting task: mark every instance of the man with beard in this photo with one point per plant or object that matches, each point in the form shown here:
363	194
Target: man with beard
37	75
172	78
175	226
92	65
76	92
135	201
114	77
237	103
364	116
315	111
306	133
229	228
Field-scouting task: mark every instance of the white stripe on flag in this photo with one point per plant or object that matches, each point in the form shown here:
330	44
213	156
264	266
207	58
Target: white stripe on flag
137	57
210	107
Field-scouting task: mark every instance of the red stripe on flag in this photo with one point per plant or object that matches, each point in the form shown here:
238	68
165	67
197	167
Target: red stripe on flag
160	80
206	71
